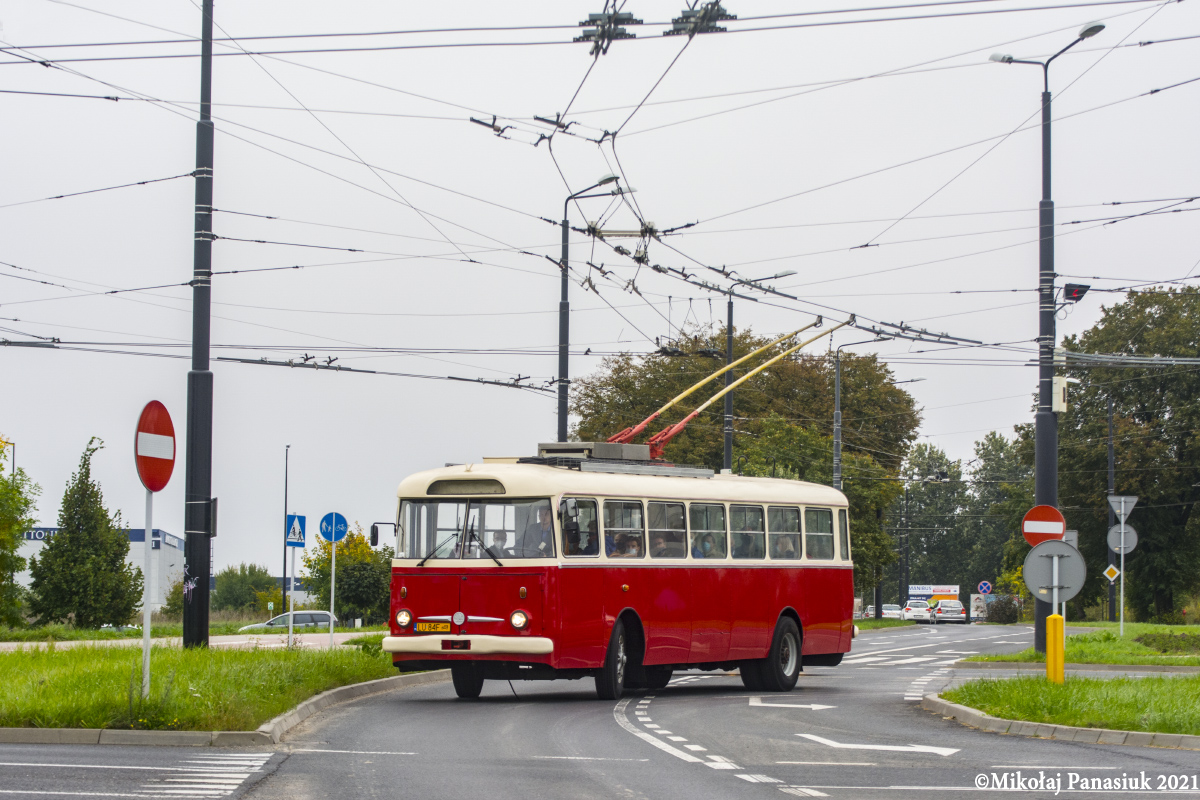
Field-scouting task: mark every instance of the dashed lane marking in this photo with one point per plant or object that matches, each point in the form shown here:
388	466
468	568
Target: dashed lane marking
801	791
619	716
759	778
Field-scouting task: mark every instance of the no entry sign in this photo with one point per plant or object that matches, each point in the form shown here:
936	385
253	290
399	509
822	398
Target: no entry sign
154	446
1043	523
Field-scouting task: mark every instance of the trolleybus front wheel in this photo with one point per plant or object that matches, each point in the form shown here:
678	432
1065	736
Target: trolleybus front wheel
468	680
610	680
781	668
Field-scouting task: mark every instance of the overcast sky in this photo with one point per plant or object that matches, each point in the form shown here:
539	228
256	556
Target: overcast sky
791	147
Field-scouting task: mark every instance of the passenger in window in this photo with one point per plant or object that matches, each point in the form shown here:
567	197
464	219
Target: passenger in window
499	547
633	547
708	547
572	543
784	549
592	547
539	536
658	547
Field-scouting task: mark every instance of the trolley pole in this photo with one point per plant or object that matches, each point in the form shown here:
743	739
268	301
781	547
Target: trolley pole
198	475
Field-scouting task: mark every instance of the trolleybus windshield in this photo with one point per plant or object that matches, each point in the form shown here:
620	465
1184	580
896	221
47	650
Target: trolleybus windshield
490	529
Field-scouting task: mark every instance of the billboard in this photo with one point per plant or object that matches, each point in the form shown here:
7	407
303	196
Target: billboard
932	592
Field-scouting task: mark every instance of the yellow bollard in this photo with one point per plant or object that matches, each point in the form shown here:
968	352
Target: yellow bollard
1055	646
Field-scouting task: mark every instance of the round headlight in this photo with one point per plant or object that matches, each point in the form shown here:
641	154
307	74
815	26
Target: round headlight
519	619
403	617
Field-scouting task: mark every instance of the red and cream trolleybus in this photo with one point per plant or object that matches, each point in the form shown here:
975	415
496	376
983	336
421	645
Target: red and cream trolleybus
591	560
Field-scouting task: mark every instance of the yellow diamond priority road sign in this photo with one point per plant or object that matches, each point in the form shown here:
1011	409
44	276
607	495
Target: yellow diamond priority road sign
1111	573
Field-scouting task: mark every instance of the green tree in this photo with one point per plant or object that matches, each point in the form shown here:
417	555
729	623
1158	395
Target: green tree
17	497
363	576
937	540
997	497
173	604
1156	419
82	576
878	418
237	586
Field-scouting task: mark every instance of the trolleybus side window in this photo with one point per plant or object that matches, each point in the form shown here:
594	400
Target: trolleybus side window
668	534
818	533
844	534
431	528
580	531
624	529
746	528
783	525
708	530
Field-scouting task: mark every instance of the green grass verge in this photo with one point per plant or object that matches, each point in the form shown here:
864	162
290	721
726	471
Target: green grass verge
370	639
193	689
875	624
1108	647
1164	704
66	633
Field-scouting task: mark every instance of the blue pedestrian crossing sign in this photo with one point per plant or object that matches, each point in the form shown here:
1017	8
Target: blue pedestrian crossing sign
985	587
333	527
294	531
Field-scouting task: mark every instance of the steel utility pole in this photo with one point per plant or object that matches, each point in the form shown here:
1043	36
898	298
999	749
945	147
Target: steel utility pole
727	462
1112	489
1045	439
198	476
564	307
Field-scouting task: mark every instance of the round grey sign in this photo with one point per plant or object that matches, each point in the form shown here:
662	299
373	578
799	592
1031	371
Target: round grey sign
1114	538
1039	571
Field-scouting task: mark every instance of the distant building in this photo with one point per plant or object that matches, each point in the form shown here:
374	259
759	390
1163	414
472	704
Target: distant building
166	554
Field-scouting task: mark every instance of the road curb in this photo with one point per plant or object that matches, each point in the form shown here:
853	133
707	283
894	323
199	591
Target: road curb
1037	666
974	718
268	733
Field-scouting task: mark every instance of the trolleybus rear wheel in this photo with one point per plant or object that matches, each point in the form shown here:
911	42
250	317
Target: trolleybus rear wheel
468	680
781	668
658	677
610	680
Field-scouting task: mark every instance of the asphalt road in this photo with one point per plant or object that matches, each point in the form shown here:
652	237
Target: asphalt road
852	731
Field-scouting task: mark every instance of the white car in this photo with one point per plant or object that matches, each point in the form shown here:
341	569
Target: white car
891	611
917	611
304	619
950	611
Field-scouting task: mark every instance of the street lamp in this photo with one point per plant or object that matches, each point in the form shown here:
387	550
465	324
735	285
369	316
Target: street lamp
564	308
1046	422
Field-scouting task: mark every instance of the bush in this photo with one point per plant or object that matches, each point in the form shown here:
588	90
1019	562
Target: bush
1003	610
1170	618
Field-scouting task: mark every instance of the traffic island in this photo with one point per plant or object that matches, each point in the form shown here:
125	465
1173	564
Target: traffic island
974	718
198	696
1158	710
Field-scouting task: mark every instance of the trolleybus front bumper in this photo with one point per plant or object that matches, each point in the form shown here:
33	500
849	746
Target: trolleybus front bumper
468	643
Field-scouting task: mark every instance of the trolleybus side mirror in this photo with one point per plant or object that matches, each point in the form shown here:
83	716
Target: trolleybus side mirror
374	535
571	507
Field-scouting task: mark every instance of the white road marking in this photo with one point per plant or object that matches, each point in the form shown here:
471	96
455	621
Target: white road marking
45	793
757	701
586	758
353	752
695	747
652	727
80	766
802	791
619	716
759	778
720	762
677	738
661	732
1039	766
908	748
913	660
833	763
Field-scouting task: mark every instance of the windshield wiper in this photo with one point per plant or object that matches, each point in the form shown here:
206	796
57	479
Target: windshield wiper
437	547
472	535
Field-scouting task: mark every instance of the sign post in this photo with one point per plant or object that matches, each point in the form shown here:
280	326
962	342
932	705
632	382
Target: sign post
293	537
154	456
333	530
1056	569
1121	506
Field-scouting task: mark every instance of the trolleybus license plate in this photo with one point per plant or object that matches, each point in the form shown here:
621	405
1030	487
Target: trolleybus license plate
432	627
